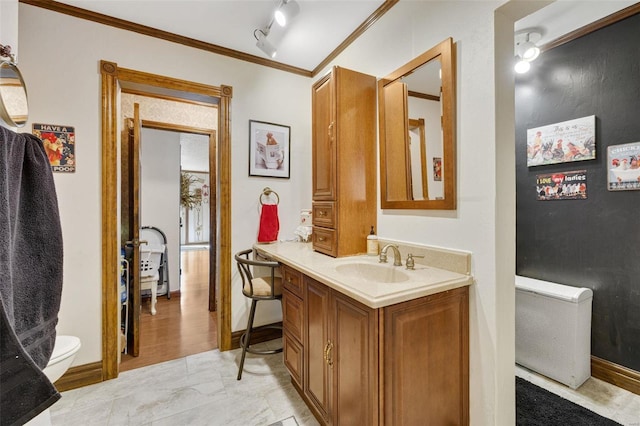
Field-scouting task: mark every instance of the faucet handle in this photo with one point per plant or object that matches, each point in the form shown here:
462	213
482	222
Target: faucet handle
383	257
410	263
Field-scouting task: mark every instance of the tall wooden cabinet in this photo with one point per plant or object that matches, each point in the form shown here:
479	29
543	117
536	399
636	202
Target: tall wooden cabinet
344	161
404	364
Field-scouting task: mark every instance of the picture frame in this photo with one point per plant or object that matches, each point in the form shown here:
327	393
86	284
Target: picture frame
565	142
269	149
60	145
623	167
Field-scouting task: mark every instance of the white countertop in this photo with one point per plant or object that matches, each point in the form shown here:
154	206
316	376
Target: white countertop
367	287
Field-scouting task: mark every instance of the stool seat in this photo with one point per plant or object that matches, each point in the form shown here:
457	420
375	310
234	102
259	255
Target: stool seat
262	287
268	286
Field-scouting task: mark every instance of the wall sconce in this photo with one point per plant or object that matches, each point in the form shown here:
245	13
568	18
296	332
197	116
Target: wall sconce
283	14
526	49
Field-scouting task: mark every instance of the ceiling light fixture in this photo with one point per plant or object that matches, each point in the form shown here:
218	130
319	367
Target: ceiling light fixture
526	49
286	11
283	14
264	44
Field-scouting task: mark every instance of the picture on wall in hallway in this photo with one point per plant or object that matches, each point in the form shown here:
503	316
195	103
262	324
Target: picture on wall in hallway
623	162
268	149
573	140
562	186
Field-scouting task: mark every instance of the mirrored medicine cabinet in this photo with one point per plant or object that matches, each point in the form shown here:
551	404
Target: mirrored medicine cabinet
416	105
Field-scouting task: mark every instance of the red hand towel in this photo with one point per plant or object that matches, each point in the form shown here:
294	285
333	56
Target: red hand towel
269	224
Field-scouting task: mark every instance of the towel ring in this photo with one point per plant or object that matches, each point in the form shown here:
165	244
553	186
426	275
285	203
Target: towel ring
267	192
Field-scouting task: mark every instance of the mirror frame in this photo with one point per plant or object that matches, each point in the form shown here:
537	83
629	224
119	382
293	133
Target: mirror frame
445	51
4	113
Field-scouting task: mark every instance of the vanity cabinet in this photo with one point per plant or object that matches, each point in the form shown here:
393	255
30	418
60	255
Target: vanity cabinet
292	322
344	161
340	362
403	364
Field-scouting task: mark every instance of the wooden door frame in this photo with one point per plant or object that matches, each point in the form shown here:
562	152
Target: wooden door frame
112	77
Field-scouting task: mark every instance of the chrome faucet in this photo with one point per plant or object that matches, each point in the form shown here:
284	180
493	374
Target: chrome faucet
396	255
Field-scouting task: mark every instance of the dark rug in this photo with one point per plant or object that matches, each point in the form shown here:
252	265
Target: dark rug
539	407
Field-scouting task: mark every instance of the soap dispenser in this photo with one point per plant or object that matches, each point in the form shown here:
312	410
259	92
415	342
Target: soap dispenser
372	243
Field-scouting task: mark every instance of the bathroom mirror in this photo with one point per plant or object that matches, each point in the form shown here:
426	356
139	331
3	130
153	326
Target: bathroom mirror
14	108
416	105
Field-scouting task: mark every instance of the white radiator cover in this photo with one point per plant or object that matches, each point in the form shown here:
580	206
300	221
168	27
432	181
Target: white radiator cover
553	330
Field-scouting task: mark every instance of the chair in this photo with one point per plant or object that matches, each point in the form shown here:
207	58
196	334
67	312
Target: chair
267	287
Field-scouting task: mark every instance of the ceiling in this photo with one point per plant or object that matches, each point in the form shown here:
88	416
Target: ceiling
317	34
317	30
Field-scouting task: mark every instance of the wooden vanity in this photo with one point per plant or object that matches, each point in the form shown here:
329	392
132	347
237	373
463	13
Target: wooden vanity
374	353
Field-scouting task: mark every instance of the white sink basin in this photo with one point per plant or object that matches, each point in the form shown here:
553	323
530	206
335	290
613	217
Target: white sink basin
373	272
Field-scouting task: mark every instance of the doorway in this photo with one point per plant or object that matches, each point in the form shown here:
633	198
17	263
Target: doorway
114	80
184	286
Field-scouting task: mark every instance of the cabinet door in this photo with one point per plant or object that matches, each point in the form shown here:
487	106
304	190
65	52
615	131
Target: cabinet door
316	372
426	360
323	141
354	360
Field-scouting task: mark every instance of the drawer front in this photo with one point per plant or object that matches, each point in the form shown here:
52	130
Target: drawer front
293	356
324	214
292	315
324	241
292	280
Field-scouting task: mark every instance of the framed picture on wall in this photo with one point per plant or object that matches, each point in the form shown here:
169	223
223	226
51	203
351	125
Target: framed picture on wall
269	145
623	167
568	141
59	144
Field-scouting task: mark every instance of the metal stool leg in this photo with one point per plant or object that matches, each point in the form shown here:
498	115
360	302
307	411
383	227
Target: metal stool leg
245	339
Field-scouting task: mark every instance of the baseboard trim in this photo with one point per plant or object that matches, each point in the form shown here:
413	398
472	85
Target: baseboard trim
79	376
260	334
615	374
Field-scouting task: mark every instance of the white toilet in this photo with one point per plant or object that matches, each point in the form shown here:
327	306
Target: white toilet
64	351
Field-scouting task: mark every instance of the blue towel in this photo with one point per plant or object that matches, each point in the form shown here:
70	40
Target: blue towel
30	276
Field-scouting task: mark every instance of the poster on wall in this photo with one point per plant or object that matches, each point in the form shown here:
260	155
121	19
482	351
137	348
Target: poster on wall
562	186
623	163
573	140
437	169
59	144
269	149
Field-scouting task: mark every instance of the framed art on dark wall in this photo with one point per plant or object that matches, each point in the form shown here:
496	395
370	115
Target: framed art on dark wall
269	145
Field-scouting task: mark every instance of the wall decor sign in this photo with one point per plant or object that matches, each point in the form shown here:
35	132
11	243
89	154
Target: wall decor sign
623	163
59	144
573	140
269	145
437	169
562	186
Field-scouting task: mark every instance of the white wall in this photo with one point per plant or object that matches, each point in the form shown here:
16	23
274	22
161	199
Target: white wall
59	59
160	192
9	25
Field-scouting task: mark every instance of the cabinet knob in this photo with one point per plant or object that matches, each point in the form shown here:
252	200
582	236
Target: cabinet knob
322	213
321	238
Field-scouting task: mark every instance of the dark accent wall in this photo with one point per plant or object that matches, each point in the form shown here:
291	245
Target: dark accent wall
595	242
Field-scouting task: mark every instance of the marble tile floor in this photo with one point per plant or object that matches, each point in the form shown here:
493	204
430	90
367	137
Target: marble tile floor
202	390
600	397
195	390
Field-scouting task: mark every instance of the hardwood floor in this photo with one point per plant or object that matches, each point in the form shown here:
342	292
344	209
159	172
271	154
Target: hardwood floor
183	324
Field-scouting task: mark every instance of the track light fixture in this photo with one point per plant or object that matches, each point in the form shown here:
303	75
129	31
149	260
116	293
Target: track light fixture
263	44
283	14
286	11
526	49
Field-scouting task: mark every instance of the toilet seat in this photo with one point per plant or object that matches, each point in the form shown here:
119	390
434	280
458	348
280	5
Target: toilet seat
65	346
